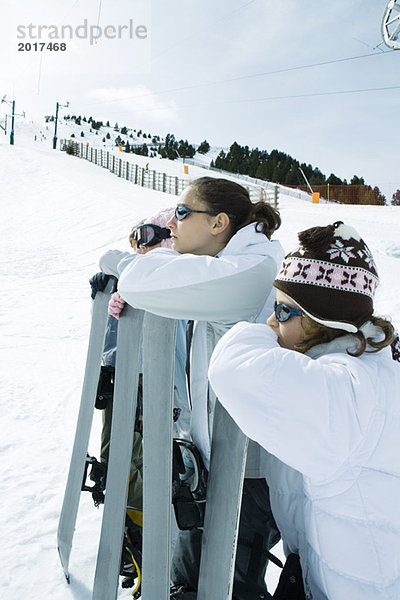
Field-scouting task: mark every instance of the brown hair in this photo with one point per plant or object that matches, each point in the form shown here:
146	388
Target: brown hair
132	236
315	334
223	195
132	233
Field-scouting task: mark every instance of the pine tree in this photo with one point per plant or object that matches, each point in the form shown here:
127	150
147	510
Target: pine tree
333	180
185	150
380	199
396	198
170	147
204	147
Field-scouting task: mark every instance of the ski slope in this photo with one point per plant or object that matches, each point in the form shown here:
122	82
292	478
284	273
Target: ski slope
38	134
59	214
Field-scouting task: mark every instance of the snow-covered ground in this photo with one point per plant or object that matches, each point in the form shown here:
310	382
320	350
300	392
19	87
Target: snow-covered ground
59	214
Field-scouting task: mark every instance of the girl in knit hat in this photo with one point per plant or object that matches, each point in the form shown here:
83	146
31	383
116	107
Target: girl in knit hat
319	390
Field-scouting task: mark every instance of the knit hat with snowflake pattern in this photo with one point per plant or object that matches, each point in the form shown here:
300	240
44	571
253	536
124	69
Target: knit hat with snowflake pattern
331	276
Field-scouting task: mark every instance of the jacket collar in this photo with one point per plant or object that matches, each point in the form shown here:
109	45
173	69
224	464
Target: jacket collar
250	241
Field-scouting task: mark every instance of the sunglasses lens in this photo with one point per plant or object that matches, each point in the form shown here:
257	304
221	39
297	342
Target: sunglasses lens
181	212
282	313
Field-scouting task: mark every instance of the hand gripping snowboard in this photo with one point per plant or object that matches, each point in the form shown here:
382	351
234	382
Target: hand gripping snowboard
69	511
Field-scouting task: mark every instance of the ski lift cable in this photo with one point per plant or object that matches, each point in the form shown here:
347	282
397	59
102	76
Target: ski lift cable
240	78
28	67
98	16
98	19
268	98
191	36
208	25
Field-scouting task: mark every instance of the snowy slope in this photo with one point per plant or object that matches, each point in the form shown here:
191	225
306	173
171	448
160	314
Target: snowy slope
42	134
59	214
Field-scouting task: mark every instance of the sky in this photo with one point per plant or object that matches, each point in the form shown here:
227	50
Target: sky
237	70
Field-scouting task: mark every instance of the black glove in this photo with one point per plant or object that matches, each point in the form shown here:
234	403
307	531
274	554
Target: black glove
98	283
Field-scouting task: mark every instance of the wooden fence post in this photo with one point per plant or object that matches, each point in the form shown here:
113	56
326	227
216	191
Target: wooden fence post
276	196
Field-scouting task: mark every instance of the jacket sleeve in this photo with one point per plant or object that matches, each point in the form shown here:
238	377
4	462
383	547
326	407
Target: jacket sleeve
204	288
110	260
303	411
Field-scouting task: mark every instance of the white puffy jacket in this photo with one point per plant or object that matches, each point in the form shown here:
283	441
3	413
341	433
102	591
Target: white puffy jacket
216	292
332	425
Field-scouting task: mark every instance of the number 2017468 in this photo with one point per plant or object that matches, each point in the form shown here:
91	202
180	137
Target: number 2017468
40	46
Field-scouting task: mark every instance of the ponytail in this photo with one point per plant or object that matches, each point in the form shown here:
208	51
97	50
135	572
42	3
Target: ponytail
363	342
267	219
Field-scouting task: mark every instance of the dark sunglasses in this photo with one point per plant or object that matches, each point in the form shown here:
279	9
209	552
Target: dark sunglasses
150	235
283	312
182	211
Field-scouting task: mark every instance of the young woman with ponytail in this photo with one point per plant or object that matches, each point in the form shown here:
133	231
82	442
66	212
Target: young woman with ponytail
220	271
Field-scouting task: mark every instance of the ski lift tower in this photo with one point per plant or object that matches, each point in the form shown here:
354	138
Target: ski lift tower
13	115
391	25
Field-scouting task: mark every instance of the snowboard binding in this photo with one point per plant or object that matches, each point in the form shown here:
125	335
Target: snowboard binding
98	475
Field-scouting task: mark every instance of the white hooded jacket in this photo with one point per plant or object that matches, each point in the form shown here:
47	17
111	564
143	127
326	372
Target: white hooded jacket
216	292
332	425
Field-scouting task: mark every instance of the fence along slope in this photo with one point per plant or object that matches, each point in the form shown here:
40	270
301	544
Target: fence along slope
155	180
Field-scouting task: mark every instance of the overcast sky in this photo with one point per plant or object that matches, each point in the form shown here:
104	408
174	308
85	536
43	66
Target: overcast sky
224	71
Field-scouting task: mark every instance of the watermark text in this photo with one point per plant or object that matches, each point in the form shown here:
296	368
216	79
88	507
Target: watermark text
85	31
